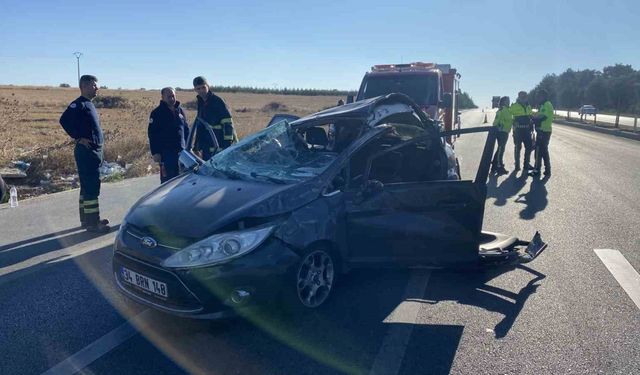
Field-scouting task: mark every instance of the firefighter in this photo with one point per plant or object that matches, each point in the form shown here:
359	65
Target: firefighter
502	122
544	117
212	115
168	132
522	130
80	120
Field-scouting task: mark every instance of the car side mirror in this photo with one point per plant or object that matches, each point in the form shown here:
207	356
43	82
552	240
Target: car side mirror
447	100
188	160
349	99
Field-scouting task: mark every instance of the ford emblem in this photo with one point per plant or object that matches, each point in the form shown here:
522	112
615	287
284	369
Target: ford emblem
149	242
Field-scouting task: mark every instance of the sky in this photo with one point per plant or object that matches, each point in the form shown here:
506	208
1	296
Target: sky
499	47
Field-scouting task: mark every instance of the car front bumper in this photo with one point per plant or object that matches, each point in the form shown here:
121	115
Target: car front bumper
210	292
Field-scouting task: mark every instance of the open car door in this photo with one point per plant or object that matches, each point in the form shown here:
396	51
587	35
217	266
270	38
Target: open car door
405	214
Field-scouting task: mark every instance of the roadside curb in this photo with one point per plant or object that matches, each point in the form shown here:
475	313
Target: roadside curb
593	128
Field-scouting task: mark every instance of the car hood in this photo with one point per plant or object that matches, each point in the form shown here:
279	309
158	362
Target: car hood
194	206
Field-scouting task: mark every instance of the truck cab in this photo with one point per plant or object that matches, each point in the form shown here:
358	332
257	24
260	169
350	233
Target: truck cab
431	86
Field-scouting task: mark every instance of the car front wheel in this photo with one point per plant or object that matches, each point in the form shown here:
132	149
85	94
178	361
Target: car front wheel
315	277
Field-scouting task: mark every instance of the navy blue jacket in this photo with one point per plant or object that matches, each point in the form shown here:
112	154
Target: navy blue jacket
168	130
80	120
215	113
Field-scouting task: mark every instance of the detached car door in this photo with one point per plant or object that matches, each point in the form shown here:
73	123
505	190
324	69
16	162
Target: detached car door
405	214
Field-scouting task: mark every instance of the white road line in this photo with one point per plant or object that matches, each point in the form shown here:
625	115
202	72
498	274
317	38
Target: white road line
623	271
98	348
389	358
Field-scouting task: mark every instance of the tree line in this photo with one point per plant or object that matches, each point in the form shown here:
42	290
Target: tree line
278	91
614	88
465	101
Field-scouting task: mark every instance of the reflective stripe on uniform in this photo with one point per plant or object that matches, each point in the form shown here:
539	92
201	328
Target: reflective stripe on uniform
226	121
90	202
212	149
216	126
228	137
91	210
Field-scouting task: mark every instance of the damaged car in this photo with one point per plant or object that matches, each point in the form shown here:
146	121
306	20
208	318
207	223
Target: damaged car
288	209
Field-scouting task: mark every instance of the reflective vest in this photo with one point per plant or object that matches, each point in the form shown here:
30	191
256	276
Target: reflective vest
521	115
546	110
503	120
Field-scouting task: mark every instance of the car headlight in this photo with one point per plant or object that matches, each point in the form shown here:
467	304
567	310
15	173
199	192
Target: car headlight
219	248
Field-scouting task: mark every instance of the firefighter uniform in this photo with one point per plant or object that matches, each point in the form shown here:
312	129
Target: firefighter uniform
503	122
522	134
215	114
80	120
543	136
168	132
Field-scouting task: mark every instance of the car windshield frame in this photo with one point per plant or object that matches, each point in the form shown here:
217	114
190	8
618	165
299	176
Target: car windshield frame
277	154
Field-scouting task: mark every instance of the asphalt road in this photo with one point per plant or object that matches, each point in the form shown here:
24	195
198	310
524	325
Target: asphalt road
564	313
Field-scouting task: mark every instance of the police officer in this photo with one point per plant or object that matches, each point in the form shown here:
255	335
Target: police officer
168	132
212	115
80	120
544	117
521	112
502	122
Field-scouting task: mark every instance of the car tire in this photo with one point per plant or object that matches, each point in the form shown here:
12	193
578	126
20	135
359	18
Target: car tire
314	278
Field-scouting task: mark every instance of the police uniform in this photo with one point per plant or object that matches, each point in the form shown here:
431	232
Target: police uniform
543	136
216	115
502	123
522	132
80	120
168	132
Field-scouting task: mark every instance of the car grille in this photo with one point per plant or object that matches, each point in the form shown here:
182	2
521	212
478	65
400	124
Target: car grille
180	299
165	240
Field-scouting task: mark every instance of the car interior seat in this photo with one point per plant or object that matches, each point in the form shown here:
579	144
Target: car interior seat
317	138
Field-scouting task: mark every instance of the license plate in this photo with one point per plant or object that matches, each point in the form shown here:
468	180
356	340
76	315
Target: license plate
144	282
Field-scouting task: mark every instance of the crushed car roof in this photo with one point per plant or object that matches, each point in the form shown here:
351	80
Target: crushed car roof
363	109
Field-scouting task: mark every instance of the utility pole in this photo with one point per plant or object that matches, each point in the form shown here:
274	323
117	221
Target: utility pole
78	55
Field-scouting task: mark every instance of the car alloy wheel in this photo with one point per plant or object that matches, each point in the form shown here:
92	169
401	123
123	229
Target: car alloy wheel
315	277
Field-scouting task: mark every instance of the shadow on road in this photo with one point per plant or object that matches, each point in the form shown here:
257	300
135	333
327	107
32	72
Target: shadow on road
507	188
472	289
36	239
535	199
26	249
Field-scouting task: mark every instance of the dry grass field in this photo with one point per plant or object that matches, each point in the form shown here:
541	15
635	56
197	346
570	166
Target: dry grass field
29	128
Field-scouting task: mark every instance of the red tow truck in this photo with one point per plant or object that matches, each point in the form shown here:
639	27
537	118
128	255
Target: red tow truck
432	86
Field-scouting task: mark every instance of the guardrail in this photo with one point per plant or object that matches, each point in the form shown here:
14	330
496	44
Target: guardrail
574	115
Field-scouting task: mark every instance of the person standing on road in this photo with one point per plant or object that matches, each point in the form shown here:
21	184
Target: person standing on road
81	122
213	115
502	122
168	132
544	117
4	191
522	131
